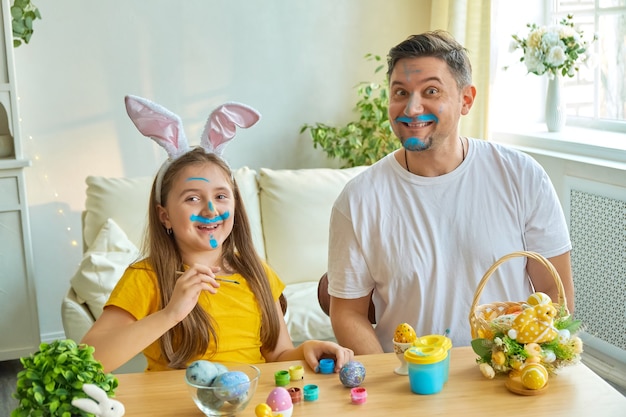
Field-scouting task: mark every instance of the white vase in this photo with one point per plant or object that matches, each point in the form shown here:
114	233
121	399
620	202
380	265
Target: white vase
555	105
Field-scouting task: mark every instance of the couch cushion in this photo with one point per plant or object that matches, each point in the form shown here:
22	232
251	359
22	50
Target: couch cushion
305	318
76	317
249	190
125	200
295	209
102	266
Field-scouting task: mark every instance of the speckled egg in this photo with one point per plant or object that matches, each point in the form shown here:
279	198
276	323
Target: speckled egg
352	374
279	401
404	333
207	397
202	373
231	385
221	369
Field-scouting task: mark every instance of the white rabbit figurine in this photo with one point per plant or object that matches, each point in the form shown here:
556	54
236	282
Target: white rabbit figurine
103	406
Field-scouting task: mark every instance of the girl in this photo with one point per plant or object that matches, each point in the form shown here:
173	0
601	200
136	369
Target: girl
202	292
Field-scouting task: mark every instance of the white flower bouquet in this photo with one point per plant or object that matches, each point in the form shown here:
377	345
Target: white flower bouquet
558	49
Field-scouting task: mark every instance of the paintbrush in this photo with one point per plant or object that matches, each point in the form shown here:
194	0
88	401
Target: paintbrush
217	279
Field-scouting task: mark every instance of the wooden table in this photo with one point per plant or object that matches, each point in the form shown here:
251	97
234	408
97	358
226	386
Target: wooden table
575	391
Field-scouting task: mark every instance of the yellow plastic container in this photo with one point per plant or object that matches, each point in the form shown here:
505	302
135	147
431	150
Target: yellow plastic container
426	368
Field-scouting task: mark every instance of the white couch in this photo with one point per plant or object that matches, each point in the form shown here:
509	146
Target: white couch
289	212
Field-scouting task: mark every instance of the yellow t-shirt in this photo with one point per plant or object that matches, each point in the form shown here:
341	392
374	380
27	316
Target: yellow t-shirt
235	312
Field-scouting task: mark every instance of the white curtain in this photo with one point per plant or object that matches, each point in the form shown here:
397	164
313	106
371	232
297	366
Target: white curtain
469	21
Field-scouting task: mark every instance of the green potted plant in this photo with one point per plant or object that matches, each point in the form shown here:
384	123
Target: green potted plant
55	375
23	13
366	140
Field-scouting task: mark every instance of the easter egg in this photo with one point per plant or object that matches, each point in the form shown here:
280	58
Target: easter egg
404	333
352	374
263	410
201	372
534	376
549	356
539	298
279	401
564	336
221	369
231	385
207	397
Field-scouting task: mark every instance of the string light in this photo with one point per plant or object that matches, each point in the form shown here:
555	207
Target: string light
39	162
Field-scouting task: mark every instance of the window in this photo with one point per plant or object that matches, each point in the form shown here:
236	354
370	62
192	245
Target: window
596	97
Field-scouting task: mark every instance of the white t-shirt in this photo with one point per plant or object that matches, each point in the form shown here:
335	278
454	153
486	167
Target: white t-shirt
424	243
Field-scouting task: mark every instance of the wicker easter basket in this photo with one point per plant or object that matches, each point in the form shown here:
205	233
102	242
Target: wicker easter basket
481	315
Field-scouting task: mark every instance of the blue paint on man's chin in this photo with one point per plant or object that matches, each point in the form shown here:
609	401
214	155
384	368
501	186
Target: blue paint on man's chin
414	144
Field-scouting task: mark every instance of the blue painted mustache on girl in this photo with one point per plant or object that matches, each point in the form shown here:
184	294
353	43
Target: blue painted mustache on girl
196	218
420	118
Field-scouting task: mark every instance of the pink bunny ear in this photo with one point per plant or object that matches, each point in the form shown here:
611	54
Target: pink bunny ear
159	124
221	125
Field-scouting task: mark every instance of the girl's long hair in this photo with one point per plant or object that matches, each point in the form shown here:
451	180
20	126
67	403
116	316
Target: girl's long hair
191	337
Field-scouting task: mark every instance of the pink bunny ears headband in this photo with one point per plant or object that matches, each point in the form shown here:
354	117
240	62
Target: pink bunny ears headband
166	128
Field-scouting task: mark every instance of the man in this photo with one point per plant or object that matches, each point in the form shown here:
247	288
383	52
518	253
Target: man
417	230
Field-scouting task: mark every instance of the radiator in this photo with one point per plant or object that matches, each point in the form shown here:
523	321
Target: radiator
596	214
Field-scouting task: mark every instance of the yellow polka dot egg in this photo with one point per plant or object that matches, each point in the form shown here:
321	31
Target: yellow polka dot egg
404	334
534	376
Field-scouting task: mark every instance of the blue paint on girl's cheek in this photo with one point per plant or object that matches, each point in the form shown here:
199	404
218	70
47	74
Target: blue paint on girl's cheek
205	220
213	242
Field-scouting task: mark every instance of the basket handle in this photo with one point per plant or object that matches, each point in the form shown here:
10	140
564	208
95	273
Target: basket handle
562	301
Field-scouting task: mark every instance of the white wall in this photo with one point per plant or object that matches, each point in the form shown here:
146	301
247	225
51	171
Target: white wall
295	61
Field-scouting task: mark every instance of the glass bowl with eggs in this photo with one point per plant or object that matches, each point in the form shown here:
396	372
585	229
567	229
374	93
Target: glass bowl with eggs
221	389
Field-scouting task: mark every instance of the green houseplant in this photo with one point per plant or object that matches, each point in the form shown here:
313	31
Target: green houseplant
366	140
55	375
23	13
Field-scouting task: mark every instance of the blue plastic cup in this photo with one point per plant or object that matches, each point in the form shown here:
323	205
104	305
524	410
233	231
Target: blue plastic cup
427	370
437	340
